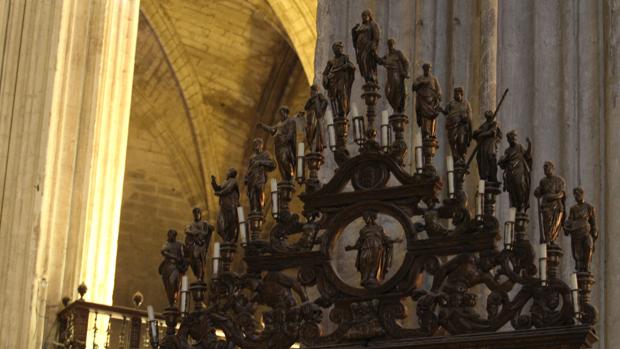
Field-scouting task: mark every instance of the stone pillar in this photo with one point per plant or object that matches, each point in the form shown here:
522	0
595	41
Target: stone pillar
65	88
488	54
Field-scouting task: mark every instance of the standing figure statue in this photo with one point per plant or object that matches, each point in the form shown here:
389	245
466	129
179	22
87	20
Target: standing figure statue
488	135
256	177
366	37
397	67
338	78
172	267
315	110
284	133
458	126
197	238
374	252
582	228
551	204
228	192
517	165
428	96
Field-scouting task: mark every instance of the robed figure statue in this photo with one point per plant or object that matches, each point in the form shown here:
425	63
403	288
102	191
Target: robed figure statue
458	125
517	165
583	231
374	252
228	192
397	67
338	78
172	267
551	202
315	110
197	238
284	133
256	177
366	37
428	96
488	135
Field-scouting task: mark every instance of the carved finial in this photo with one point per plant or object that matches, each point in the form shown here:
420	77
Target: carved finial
82	290
137	299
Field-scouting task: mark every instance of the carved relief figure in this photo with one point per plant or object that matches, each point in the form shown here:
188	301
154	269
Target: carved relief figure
228	193
338	78
488	135
458	125
256	177
374	252
551	201
365	41
315	110
172	267
284	136
197	238
428	96
397	67
582	228
517	165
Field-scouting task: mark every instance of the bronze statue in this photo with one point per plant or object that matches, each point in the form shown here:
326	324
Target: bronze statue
551	204
582	228
338	78
517	165
488	135
284	133
172	267
428	96
365	41
397	67
458	125
256	177
374	256
227	221
315	110
197	239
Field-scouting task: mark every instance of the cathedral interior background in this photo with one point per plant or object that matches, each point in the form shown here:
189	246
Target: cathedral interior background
115	115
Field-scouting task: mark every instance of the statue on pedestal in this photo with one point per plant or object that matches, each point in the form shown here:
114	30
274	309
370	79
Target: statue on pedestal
256	177
197	238
551	204
374	252
172	267
315	110
488	135
458	126
428	96
397	67
228	192
338	78
284	133
366	37
582	228
517	165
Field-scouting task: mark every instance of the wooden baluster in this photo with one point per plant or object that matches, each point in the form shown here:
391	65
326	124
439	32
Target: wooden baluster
134	335
80	327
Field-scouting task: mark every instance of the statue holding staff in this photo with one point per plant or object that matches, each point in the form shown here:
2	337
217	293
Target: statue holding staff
551	204
228	192
458	125
366	37
583	231
517	165
338	78
397	67
284	133
315	110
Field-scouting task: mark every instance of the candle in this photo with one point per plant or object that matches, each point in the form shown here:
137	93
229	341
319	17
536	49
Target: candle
184	290
154	335
216	258
481	186
329	119
300	161
450	163
300	149
274	197
150	312
216	250
512	214
241	218
574	285
508	234
417	141
542	263
450	166
354	109
542	251
385	127
274	187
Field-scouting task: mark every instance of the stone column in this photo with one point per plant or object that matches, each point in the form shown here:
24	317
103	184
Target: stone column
65	88
488	54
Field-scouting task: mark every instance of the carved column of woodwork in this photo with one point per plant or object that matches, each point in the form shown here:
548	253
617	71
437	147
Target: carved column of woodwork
370	97
398	148
341	154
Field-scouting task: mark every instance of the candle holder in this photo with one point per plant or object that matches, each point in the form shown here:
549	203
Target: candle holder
243	227
171	316
542	264
153	328
300	163
315	160
274	198
255	219
509	229
574	292
228	251
341	154
554	256
385	132
398	147
359	130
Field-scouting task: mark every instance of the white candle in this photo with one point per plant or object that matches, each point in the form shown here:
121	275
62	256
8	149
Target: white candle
542	262
216	266
274	197
542	251
300	160
450	163
240	214
242	231
481	186
300	149
216	250
184	290
354	109
574	285
417	141
150	312
512	214
450	167
385	118
329	119
274	187
385	127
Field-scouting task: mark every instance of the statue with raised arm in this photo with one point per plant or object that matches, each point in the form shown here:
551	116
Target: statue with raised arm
488	136
583	231
428	96
256	177
338	78
228	192
172	267
366	37
517	166
374	252
458	125
551	204
315	110
197	238
397	67
284	133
